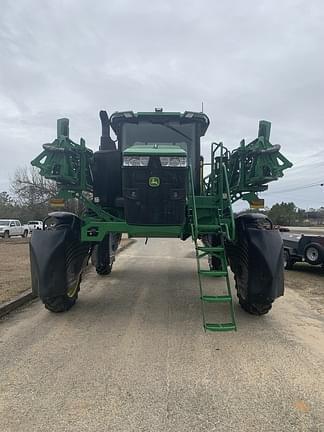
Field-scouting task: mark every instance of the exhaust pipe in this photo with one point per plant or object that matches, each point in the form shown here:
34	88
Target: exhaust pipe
106	142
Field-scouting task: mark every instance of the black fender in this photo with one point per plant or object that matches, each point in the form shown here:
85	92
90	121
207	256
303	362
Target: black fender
263	255
57	256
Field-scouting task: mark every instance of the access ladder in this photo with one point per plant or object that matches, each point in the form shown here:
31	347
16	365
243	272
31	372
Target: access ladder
203	251
211	214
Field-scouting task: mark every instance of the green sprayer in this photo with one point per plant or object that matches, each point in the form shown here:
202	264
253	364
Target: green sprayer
152	181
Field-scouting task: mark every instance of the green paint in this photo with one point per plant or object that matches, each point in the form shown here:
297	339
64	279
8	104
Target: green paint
92	225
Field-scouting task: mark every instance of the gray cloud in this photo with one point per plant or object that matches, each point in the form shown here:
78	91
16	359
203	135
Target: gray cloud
245	60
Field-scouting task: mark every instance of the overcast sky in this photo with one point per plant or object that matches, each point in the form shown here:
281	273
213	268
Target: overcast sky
246	60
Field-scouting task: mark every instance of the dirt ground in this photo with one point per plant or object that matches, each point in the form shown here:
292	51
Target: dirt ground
308	281
14	268
15	274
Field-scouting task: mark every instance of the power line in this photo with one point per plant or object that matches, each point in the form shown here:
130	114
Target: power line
311	185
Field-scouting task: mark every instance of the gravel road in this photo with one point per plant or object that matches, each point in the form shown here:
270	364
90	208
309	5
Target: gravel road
132	356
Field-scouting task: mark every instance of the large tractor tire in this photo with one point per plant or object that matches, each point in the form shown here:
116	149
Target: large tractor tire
254	308
104	270
213	240
58	258
103	254
63	302
256	260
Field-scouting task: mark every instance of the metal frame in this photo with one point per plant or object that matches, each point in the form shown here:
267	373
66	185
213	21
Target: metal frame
239	174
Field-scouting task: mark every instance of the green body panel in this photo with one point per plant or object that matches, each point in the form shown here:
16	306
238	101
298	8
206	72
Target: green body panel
172	231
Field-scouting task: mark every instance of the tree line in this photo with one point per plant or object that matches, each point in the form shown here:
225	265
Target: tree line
289	214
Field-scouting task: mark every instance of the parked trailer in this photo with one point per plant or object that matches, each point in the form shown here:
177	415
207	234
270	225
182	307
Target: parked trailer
302	248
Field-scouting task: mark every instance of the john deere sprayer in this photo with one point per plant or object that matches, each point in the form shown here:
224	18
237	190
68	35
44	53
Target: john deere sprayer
151	181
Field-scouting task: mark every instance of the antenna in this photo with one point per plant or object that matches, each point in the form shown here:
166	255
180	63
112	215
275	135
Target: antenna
202	106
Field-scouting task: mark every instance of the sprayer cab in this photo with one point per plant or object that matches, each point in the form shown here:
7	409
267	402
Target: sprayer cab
155	152
162	129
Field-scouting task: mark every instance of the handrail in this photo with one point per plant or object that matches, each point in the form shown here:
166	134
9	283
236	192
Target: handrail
195	218
232	236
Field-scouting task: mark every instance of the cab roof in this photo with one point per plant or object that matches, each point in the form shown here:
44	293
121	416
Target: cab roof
117	119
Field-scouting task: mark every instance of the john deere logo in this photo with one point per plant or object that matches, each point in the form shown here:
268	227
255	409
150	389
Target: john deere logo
154	181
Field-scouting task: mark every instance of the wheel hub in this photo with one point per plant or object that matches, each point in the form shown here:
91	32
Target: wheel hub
312	254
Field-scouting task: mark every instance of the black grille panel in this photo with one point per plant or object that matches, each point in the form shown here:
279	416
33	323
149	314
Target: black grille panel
157	205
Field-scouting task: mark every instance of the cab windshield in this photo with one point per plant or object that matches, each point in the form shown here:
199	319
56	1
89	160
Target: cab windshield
148	133
4	222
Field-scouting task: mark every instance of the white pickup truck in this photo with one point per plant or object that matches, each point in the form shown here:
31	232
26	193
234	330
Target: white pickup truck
34	225
12	227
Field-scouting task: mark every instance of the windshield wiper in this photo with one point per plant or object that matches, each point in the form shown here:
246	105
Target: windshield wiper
174	129
179	132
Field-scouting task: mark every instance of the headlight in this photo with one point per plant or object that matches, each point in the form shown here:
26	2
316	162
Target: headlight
173	161
136	160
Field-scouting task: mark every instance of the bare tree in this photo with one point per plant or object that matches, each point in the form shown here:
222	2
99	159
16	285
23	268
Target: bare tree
7	208
32	189
33	192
